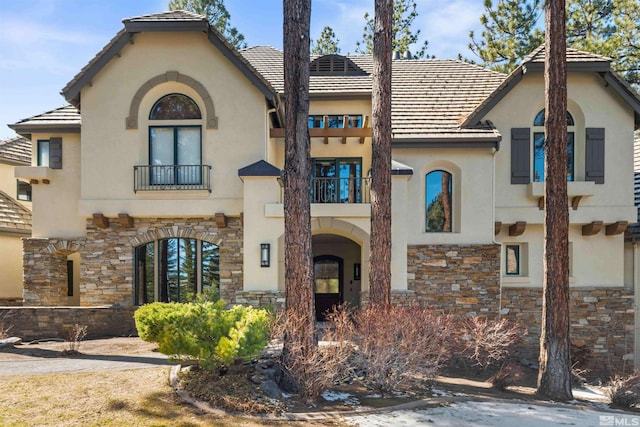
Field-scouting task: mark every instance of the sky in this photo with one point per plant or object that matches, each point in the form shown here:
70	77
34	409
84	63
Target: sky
45	43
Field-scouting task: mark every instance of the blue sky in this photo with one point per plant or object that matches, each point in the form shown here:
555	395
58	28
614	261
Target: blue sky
44	43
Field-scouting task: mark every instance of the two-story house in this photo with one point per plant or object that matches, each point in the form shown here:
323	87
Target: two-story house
161	181
15	217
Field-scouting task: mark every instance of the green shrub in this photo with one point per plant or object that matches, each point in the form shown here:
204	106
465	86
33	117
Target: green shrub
151	319
205	332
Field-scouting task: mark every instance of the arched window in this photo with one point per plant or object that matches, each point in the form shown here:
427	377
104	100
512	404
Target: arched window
175	151
176	270
538	147
175	106
439	199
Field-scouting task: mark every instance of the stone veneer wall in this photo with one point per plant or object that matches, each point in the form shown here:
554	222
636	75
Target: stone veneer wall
107	257
602	319
274	299
460	279
45	270
31	323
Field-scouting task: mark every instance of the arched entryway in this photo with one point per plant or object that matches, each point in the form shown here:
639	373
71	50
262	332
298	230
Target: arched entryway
337	272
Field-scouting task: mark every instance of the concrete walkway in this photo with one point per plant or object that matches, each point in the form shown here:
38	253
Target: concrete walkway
98	355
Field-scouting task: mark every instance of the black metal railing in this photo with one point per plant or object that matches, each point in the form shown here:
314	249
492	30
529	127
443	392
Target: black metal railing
340	190
171	177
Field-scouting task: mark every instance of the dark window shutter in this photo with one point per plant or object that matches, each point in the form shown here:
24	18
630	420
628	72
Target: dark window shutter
55	153
520	155
594	155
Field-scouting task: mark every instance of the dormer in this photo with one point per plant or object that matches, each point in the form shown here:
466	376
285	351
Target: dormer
335	65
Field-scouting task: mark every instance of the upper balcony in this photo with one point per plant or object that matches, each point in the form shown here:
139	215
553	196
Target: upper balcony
353	190
171	177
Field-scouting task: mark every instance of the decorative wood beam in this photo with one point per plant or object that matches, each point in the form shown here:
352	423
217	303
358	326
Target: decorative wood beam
100	220
517	228
541	203
575	202
46	181
592	228
365	125
125	220
221	220
328	133
616	228
496	227
33	181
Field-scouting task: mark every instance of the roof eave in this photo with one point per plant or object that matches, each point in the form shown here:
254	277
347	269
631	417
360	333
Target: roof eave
579	67
494	98
625	92
158	26
492	141
26	130
71	91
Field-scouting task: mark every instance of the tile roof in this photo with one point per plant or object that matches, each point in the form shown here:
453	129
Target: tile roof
573	56
429	97
14	218
170	15
16	149
63	118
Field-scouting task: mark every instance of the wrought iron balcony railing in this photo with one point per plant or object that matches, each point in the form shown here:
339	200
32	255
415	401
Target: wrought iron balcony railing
340	190
171	177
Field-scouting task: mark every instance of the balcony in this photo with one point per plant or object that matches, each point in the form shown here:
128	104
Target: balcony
171	177
339	190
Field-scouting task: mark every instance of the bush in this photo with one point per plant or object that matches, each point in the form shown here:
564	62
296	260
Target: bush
394	344
309	371
205	332
151	319
624	392
491	341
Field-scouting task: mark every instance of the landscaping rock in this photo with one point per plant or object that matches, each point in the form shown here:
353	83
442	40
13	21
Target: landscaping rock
271	389
10	342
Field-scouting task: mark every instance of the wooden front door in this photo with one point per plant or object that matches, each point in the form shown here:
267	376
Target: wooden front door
327	283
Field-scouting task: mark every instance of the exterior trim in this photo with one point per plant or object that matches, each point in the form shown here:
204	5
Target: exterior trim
465	142
72	90
172	76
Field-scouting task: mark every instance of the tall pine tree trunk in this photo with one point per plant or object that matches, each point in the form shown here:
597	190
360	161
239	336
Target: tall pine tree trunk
380	254
297	173
554	379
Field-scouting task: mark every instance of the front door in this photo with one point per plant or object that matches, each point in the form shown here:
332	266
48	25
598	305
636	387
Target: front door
327	283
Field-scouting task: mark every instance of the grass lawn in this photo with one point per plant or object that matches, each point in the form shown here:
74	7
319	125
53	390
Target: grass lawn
140	397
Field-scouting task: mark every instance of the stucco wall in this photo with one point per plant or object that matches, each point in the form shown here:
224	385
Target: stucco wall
10	267
239	139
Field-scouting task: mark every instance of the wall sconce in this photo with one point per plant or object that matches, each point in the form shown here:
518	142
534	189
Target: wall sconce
356	271
265	254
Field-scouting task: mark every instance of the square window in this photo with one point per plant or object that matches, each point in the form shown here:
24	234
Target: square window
512	266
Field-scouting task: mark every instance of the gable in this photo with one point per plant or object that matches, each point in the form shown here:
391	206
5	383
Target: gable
171	22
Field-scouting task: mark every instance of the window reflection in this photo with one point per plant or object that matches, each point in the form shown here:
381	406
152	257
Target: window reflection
438	201
179	270
175	106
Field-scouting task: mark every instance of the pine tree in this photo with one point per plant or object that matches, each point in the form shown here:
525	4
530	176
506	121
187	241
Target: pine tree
554	377
218	17
509	33
326	44
404	13
298	263
380	254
